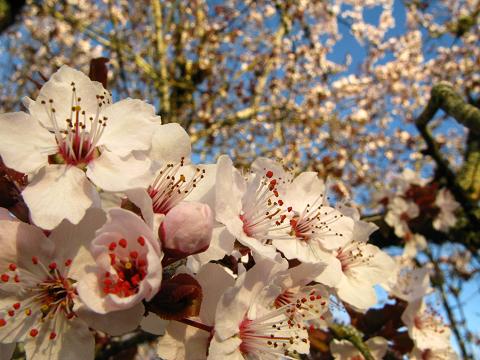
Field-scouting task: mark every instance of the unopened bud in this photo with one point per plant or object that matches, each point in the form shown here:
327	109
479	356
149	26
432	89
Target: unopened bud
186	229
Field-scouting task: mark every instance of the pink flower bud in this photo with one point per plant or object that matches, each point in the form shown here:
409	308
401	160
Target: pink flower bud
186	229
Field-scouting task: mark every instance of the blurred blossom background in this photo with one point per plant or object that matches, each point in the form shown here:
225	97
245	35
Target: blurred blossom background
332	86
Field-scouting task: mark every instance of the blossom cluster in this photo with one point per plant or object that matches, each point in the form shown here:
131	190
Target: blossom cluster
415	201
122	225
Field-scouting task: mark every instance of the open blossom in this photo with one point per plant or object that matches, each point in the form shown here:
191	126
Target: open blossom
408	282
448	206
291	287
314	226
251	207
345	350
247	328
128	265
355	268
74	139
39	276
425	327
434	354
400	211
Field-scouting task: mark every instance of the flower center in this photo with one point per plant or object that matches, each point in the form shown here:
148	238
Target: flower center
309	302
315	221
128	269
352	255
45	300
171	186
277	334
77	141
263	208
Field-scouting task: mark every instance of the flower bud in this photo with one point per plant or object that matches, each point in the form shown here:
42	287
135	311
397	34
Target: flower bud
186	229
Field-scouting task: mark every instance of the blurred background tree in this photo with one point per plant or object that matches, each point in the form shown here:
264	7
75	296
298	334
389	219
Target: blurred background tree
347	88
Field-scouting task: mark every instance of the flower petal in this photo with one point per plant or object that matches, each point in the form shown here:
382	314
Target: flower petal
130	126
59	192
170	143
59	89
113	173
25	145
74	341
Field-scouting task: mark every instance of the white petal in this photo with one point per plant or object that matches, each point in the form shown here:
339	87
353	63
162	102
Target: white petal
358	294
74	341
332	274
130	126
59	89
222	244
130	226
212	290
154	324
25	145
73	241
170	143
113	323
182	342
230	187
59	192
140	198
113	173
228	349
91	294
305	189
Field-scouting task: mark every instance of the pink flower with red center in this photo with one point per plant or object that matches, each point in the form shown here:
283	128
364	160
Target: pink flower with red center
38	289
128	265
74	139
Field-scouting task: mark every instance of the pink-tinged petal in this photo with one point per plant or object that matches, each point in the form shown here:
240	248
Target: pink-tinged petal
124	244
59	88
130	126
129	225
59	192
73	341
113	173
114	323
170	143
25	145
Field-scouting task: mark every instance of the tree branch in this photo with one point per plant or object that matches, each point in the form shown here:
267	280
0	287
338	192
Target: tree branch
349	333
444	97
